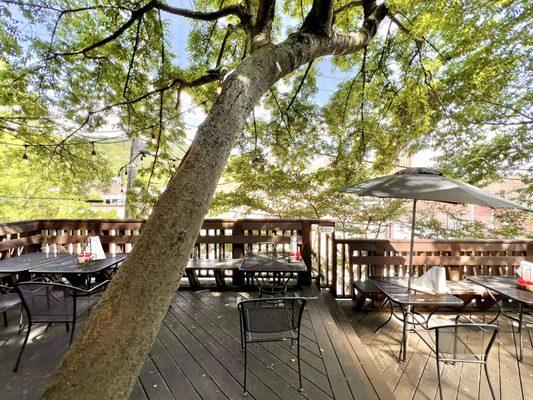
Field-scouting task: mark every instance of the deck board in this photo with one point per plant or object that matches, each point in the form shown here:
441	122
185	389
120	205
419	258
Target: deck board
197	356
416	378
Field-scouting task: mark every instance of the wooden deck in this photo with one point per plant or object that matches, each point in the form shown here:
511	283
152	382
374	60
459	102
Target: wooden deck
197	356
416	378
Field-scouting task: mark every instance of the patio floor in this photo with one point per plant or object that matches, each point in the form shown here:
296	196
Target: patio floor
416	378
197	356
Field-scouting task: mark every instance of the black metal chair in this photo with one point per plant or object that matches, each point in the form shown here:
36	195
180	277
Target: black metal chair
519	313
271	320
53	302
9	300
464	343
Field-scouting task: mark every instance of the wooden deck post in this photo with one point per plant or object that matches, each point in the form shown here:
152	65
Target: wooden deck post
333	287
307	251
237	252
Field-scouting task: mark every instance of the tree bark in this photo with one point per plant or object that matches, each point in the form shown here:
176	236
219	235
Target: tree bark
103	363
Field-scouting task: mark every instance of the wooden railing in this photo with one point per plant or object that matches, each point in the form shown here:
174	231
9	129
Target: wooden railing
356	259
218	238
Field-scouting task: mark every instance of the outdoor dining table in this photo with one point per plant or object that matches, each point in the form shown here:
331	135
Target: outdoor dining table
506	287
395	290
278	264
23	263
70	267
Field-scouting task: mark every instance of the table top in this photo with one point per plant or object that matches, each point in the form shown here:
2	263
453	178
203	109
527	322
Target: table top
71	265
27	261
270	262
505	285
393	288
214	263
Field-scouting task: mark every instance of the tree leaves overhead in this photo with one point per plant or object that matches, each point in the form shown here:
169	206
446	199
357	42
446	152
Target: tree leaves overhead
447	76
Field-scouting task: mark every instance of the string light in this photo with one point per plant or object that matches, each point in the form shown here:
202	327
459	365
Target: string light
94	157
25	158
153	139
219	89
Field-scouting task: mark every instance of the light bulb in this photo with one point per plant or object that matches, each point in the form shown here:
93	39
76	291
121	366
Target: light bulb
219	89
153	140
94	157
25	158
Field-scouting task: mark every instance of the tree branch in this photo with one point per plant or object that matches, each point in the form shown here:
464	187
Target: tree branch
300	85
319	19
210	76
404	29
363	86
348	6
237	10
229	31
135	45
263	24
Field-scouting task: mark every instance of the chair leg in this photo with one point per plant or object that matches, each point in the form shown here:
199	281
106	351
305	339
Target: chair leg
300	388
72	332
22	348
242	332
245	372
520	316
486	365
21	320
5	318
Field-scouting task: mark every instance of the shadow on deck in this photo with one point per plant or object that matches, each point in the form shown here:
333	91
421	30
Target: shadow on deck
197	356
416	378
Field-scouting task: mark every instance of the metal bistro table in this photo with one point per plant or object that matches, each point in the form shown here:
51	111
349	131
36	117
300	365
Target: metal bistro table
277	264
506	286
395	289
72	269
23	263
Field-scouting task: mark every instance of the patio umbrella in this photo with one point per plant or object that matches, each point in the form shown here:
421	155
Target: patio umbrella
427	184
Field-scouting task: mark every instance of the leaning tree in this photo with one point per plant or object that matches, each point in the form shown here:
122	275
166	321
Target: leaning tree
106	358
109	55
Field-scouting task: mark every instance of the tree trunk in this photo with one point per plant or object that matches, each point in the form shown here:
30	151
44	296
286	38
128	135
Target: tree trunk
103	363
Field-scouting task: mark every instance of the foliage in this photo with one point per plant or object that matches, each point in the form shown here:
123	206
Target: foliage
454	222
452	78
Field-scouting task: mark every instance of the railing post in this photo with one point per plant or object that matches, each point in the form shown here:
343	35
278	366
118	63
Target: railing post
333	287
305	278
237	252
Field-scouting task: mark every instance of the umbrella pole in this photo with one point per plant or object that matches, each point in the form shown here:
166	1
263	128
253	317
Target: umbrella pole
412	244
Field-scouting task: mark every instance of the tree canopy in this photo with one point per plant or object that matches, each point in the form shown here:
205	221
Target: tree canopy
452	78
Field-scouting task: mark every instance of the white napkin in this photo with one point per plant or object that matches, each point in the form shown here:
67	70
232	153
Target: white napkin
433	281
95	246
525	270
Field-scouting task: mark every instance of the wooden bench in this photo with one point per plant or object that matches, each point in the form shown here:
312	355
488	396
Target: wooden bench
217	266
363	290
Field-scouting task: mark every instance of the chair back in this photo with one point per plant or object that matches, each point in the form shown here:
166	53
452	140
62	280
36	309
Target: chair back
43	300
272	314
